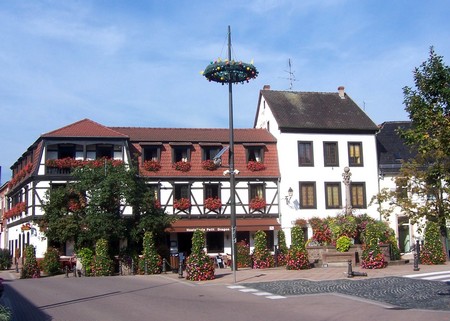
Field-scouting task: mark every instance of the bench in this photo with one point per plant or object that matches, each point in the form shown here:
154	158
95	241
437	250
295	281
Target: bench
338	257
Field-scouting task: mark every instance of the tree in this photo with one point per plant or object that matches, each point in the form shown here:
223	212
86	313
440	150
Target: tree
423	183
91	207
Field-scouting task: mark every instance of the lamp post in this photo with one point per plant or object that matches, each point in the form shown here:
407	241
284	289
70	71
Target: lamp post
230	71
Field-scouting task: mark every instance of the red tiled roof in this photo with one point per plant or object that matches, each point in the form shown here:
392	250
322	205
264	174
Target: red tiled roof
84	128
195	135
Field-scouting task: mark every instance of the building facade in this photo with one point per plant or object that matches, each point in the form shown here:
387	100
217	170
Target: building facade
318	136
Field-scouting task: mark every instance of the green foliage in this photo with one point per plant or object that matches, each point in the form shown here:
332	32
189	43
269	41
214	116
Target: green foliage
86	256
297	258
30	267
342	225
103	264
321	231
150	261
5	259
244	258
262	258
372	257
5	313
50	264
199	266
343	243
432	250
282	248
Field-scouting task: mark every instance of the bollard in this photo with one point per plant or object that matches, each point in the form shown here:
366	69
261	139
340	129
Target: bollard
132	266
164	266
67	271
17	267
145	267
416	256
180	269
349	270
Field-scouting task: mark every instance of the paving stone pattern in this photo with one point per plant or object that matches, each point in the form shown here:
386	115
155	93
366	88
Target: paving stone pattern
400	292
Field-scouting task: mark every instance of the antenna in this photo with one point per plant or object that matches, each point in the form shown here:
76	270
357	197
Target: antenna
291	77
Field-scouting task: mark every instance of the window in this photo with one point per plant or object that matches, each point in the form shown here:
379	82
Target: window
355	154
333	195
210	151
181	153
211	190
152	153
181	191
153	191
401	189
66	150
104	151
308	195
305	154
255	153
358	195
331	154
256	190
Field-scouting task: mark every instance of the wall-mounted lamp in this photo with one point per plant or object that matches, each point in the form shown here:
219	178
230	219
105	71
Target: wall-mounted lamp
289	196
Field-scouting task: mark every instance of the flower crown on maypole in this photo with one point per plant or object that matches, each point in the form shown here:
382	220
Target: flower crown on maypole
226	71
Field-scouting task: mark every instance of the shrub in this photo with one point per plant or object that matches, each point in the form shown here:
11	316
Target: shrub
297	258
103	264
30	268
343	225
372	257
321	231
150	256
50	264
433	250
5	259
86	256
243	254
343	243
262	258
282	248
199	266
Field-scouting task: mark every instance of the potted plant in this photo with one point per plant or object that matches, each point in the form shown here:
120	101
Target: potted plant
182	204
151	165
213	203
257	203
255	166
182	166
209	165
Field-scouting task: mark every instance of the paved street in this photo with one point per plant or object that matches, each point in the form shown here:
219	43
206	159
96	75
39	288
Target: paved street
395	293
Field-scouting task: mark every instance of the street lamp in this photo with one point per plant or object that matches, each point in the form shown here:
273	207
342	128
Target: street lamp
228	72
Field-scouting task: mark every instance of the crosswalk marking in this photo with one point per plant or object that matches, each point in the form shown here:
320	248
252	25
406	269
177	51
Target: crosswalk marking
442	276
267	295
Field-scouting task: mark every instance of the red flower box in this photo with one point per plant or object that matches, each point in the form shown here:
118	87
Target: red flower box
255	166
257	203
209	165
182	204
152	166
182	166
213	204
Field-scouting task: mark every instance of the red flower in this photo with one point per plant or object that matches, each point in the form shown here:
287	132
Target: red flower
152	165
209	165
182	166
213	204
255	166
182	204
15	210
257	203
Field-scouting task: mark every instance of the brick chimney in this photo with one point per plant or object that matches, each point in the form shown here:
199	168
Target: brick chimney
266	87
341	90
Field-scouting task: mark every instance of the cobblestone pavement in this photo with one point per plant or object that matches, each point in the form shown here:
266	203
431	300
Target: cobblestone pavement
402	293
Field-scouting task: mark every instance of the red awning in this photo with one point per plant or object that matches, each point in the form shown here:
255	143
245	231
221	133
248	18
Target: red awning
224	225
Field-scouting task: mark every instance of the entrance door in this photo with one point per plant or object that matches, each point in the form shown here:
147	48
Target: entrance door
403	235
185	242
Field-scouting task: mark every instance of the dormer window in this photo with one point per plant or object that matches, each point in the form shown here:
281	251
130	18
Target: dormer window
181	152
209	151
151	153
255	152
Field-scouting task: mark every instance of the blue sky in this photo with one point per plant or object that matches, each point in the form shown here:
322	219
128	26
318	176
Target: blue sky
138	63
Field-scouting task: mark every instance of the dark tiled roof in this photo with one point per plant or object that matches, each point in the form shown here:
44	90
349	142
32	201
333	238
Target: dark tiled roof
317	111
84	128
391	148
195	135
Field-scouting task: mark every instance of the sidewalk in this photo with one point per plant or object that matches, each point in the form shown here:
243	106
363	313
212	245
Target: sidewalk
247	275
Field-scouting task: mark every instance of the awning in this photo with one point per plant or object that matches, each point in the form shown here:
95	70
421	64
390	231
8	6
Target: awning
224	225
